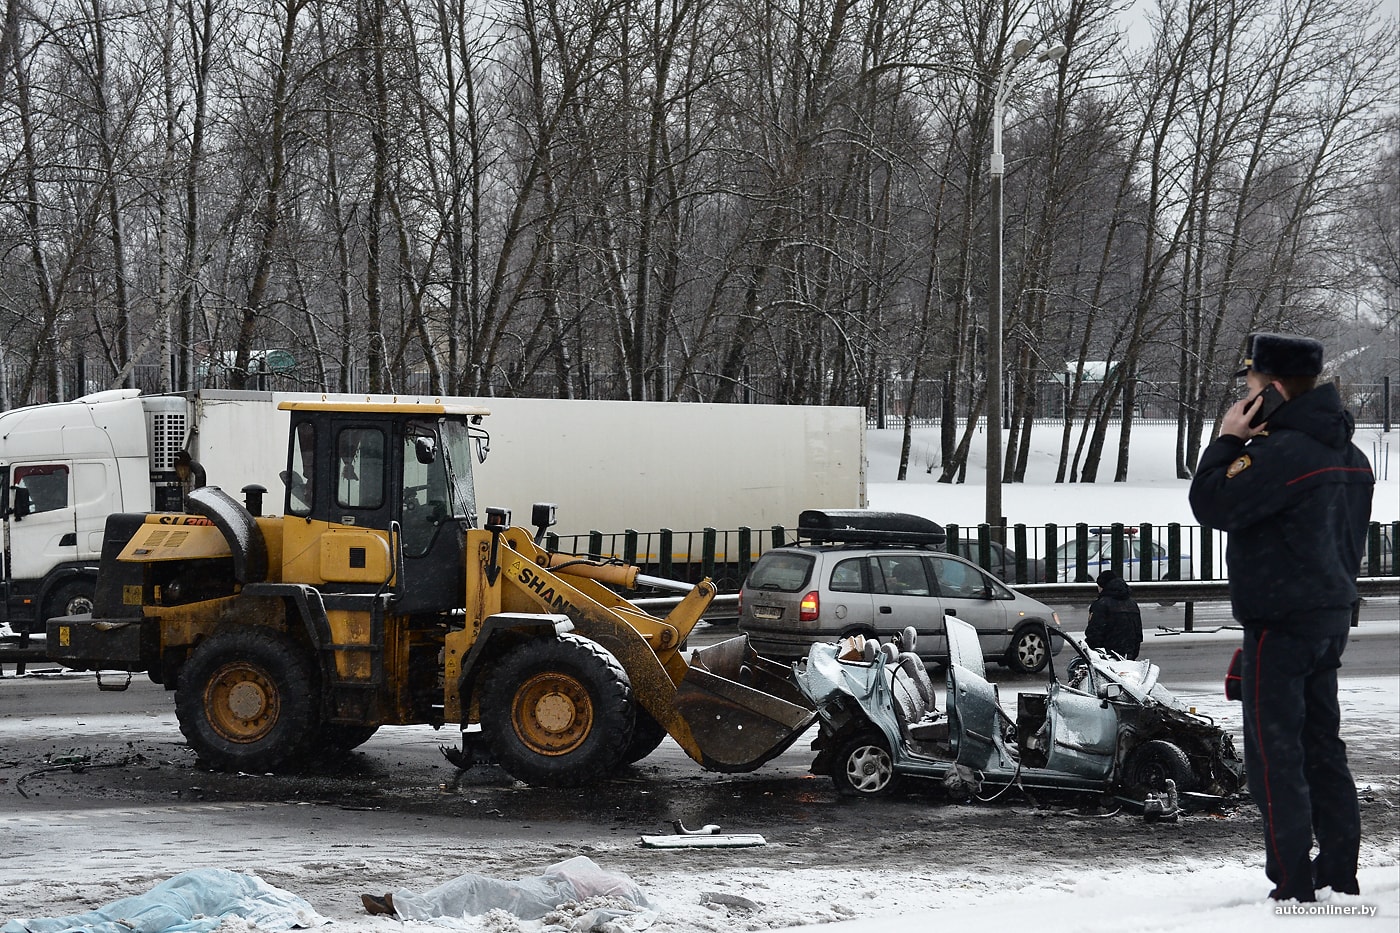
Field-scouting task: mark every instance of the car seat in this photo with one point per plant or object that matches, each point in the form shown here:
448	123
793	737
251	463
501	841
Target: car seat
913	666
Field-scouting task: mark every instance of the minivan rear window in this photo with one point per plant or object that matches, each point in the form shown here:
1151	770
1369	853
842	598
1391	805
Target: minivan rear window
781	571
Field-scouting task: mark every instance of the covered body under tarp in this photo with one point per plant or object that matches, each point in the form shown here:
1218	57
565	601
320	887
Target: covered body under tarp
196	901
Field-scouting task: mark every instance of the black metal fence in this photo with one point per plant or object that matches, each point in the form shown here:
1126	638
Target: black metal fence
1032	553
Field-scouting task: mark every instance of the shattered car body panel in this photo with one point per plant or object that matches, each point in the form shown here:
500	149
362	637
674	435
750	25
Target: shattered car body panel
1110	727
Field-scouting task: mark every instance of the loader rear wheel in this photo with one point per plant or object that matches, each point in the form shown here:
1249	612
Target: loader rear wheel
647	734
246	700
558	711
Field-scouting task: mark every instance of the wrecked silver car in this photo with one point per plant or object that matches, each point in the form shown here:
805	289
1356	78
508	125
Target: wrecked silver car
1108	726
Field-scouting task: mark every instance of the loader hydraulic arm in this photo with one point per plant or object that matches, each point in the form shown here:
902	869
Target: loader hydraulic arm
729	715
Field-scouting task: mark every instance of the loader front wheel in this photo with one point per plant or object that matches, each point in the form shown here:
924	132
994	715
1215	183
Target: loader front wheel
246	700
558	712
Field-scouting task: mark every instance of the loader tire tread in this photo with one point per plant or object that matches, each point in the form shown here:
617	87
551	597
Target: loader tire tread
559	712
246	700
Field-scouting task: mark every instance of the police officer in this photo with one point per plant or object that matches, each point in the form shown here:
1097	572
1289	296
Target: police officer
1115	621
1294	494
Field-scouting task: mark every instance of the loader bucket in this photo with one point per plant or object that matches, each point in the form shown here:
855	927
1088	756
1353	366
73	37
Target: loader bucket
742	709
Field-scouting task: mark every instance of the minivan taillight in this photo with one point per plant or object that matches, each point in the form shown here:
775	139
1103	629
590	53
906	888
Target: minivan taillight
810	608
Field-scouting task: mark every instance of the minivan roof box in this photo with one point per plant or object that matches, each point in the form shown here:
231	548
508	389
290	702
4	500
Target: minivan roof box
863	526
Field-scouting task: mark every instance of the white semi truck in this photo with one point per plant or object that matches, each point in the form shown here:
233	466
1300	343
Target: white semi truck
610	466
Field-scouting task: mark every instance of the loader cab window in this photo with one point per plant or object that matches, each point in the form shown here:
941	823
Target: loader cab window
299	476
427	494
359	453
456	452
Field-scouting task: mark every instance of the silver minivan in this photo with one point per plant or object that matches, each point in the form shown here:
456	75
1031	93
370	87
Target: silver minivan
863	579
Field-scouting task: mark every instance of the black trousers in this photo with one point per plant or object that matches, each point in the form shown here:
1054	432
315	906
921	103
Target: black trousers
1296	761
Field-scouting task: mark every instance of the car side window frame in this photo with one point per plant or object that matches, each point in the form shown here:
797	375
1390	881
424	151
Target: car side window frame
930	585
862	566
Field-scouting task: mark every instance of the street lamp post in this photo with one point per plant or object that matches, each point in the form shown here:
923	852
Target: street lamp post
994	310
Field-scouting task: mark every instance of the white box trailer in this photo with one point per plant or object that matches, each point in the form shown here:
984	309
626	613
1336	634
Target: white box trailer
612	465
609	466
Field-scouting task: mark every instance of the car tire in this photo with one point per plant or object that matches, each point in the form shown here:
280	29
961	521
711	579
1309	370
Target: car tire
864	767
1029	651
1148	767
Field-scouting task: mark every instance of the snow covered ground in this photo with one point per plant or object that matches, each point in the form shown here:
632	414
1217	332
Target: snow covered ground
1155	881
1152	493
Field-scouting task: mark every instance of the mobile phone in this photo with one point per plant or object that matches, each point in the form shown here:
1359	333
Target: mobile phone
1273	399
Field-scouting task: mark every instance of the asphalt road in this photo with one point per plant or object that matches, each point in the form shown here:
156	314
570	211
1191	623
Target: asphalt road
99	796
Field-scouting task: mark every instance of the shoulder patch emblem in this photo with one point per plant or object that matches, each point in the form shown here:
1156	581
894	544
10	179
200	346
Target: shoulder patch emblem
1241	464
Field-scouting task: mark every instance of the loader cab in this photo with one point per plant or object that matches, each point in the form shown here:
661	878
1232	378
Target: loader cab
381	488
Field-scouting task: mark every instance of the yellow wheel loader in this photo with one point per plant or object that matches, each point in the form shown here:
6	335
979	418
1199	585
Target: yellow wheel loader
374	600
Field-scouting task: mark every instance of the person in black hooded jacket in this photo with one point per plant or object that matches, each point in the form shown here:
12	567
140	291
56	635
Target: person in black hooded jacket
1294	495
1115	622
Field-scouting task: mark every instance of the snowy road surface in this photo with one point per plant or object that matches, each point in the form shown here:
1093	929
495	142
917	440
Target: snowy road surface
397	816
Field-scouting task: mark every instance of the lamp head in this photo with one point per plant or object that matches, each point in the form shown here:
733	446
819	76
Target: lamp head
1054	53
1021	49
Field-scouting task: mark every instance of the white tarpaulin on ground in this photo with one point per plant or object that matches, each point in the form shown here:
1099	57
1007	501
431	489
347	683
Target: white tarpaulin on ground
612	901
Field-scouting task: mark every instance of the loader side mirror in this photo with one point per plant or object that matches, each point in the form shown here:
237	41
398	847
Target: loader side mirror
483	441
425	449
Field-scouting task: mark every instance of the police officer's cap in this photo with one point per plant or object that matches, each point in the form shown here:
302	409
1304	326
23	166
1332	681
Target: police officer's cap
1283	355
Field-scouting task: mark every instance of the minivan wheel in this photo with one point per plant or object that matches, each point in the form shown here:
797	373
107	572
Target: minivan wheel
1029	651
864	767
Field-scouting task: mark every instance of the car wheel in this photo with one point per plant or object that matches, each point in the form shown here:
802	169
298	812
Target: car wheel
1148	767
864	767
1029	651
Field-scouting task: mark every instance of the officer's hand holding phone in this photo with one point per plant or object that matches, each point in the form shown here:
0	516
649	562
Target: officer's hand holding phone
1249	416
1271	398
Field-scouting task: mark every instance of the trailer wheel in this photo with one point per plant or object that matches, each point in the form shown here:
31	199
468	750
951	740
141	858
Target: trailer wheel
558	712
1148	767
69	598
864	767
246	700
647	734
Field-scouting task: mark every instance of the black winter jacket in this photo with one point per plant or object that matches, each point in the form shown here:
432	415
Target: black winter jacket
1115	622
1296	502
